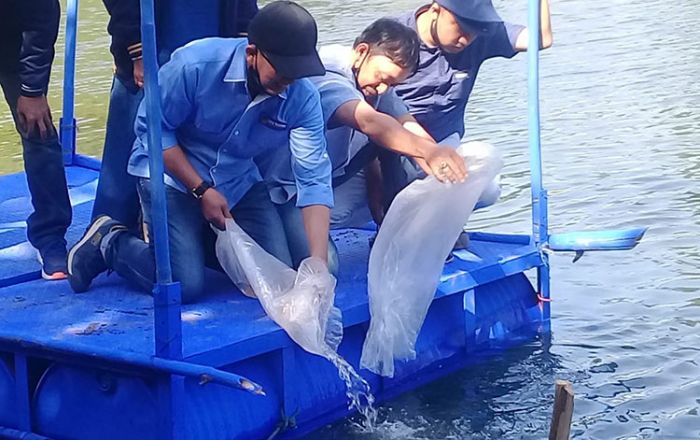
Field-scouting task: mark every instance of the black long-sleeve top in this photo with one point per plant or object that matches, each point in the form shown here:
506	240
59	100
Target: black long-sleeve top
28	31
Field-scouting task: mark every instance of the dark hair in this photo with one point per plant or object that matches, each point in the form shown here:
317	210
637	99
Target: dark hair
390	38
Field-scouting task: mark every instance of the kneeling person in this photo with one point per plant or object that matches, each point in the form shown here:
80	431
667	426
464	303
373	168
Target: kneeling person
358	104
224	101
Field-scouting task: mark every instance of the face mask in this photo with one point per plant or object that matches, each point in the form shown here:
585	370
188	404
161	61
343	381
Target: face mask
356	71
253	82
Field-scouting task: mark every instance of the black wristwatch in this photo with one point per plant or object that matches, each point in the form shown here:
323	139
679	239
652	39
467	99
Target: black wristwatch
199	191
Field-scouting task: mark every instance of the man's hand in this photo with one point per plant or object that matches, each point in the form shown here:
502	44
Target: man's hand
34	116
215	208
445	164
138	72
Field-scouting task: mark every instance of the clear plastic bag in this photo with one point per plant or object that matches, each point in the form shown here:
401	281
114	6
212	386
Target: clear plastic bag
299	302
408	256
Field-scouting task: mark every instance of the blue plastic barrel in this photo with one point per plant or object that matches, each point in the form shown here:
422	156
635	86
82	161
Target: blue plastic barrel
7	396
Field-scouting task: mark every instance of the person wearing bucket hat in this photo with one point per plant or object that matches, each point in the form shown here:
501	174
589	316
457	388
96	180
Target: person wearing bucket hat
457	36
224	102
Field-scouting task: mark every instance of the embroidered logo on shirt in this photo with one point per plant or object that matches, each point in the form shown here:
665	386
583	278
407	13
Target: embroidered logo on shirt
272	123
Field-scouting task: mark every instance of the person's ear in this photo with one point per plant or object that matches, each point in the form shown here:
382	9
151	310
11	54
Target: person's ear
434	10
361	52
250	52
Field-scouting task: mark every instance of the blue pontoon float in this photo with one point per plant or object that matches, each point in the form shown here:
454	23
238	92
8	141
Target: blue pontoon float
116	364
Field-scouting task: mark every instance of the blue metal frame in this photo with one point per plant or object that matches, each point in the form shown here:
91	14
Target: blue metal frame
540	225
166	294
67	124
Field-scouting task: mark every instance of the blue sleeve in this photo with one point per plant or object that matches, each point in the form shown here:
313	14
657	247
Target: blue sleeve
335	90
392	105
310	162
177	79
502	42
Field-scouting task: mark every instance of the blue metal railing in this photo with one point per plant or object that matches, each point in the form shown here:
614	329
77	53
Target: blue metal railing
166	294
67	127
539	194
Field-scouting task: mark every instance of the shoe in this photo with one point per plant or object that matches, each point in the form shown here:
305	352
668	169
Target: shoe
85	260
53	261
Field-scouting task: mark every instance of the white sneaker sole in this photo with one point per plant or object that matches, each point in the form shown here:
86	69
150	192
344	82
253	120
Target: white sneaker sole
56	276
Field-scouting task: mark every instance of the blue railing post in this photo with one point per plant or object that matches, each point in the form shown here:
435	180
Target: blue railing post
539	194
166	294
67	125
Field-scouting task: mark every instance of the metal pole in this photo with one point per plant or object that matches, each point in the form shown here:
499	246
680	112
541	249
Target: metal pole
166	294
67	351
67	123
539	194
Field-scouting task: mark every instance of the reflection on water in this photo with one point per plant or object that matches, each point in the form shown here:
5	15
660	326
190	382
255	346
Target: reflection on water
620	101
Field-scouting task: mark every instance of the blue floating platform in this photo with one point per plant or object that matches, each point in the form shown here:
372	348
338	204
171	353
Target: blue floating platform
484	302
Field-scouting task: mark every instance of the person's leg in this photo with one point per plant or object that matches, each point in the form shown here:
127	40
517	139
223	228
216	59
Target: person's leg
257	216
293	224
43	165
351	208
117	195
133	259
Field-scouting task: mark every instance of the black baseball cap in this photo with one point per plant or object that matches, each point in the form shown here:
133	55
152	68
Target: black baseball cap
473	16
287	34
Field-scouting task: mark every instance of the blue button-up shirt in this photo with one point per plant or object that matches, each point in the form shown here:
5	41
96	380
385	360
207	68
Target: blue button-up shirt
438	92
207	112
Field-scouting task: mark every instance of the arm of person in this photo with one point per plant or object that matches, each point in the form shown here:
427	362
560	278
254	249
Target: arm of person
442	162
214	205
39	32
546	38
312	173
317	227
178	83
125	28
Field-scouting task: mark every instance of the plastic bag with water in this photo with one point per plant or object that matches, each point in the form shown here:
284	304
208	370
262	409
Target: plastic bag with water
407	259
299	302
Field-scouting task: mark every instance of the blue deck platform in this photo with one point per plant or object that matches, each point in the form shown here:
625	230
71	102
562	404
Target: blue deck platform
483	298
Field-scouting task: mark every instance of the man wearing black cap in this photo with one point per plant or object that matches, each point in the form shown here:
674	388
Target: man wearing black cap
456	36
224	101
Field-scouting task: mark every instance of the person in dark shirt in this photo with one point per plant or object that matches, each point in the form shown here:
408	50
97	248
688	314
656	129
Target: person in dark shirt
28	32
116	191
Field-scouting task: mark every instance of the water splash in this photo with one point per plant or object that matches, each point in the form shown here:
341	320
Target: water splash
357	390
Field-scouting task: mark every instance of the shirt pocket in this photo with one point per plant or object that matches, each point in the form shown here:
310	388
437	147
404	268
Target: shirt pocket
263	138
462	82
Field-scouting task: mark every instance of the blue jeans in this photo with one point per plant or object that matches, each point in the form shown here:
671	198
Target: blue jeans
116	195
192	239
46	178
293	223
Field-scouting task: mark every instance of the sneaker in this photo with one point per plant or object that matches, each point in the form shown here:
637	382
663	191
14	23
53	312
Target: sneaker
85	260
53	261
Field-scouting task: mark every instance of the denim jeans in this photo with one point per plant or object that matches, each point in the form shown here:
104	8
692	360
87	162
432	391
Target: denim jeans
117	195
293	223
192	239
46	178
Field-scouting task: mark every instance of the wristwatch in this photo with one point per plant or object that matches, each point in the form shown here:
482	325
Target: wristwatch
199	191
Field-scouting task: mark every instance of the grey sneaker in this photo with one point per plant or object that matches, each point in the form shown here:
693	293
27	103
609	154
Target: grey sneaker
85	260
